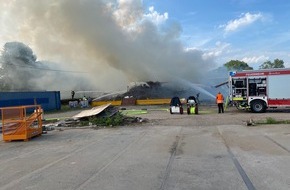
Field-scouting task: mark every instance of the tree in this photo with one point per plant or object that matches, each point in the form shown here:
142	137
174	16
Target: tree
269	65
237	65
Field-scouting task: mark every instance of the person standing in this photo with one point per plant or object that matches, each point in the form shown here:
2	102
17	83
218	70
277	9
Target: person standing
220	102
72	94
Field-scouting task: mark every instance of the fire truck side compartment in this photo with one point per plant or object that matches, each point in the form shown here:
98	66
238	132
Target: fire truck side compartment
279	87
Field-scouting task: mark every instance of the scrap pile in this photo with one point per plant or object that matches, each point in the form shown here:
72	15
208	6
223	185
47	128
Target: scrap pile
150	90
97	117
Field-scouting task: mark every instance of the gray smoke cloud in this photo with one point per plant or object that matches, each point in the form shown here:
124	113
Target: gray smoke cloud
15	58
20	71
109	42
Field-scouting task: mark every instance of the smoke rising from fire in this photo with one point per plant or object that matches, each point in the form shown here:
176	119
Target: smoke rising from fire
110	42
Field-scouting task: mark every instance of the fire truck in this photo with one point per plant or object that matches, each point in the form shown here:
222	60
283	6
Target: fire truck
259	90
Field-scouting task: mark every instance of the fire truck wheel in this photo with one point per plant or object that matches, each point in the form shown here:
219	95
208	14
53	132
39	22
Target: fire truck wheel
258	106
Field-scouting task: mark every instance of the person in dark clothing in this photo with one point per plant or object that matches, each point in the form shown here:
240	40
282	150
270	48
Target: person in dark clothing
72	94
191	98
175	101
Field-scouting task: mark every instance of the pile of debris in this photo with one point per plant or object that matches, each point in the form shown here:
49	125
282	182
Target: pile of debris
149	90
97	117
161	90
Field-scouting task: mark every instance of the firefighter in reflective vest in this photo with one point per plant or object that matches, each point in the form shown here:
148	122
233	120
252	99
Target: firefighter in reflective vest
220	102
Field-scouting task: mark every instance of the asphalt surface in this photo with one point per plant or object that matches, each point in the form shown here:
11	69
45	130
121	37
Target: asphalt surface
182	154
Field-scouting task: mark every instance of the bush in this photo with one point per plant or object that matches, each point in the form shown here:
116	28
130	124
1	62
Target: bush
115	120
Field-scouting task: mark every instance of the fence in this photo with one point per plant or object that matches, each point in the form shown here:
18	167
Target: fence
21	122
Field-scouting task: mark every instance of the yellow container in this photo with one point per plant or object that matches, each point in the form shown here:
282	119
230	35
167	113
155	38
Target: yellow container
153	101
113	103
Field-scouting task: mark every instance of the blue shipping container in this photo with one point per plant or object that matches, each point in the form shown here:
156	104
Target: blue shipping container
49	100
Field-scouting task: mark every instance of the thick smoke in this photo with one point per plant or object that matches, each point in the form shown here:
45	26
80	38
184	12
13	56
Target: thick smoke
21	72
109	43
17	60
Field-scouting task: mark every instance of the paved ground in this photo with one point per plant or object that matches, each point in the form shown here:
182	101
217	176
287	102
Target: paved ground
206	151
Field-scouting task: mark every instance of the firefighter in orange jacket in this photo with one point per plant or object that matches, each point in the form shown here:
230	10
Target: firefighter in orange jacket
220	102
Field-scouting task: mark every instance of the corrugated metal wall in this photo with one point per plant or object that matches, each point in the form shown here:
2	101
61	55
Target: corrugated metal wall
49	100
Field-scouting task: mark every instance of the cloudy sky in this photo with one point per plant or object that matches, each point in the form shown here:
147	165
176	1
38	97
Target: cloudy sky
114	42
252	31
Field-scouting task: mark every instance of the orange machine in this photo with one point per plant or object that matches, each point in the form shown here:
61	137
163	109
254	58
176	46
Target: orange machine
21	122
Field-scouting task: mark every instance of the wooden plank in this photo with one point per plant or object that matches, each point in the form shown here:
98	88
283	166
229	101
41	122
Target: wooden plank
91	112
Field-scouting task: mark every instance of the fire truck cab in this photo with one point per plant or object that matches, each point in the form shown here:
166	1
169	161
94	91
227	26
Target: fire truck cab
259	90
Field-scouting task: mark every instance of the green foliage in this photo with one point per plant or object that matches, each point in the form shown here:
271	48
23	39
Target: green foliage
269	65
115	120
270	120
237	65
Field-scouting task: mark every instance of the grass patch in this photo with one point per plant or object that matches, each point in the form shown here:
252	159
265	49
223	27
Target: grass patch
270	120
133	112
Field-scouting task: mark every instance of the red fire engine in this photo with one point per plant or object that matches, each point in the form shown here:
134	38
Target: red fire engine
260	89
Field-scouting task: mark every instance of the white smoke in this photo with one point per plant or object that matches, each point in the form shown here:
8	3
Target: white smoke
111	42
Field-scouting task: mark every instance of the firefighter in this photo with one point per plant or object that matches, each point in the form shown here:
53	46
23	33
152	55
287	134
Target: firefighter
72	94
220	102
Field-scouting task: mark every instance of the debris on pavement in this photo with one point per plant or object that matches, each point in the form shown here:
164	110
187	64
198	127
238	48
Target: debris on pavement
104	115
92	112
250	122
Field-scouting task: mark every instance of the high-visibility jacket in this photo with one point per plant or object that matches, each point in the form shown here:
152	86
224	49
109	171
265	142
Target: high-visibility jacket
219	98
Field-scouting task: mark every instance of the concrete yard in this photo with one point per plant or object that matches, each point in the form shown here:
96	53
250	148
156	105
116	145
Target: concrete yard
172	152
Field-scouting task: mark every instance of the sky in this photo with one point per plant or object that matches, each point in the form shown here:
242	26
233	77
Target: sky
114	42
253	31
